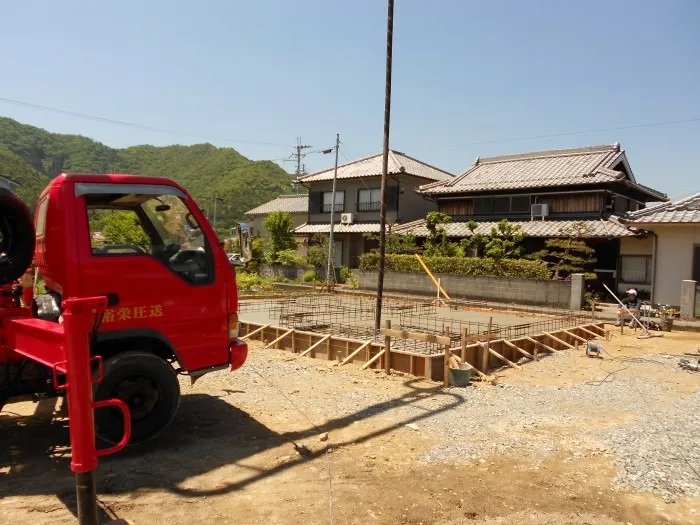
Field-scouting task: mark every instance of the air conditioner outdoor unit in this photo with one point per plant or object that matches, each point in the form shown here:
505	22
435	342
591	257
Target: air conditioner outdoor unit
346	218
539	210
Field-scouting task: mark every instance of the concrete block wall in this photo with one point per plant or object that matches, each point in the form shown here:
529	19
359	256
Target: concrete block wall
277	270
499	289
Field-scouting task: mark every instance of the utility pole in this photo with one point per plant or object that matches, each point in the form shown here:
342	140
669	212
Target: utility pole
330	275
216	199
297	156
385	163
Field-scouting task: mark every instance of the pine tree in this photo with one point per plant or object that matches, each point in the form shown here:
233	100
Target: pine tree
569	254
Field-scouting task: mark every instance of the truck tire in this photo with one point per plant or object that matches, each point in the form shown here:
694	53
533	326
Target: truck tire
17	238
148	385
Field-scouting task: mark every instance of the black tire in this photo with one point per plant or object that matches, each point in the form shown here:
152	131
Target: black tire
17	237
148	384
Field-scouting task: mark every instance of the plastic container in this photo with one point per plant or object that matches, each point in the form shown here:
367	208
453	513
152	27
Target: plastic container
460	376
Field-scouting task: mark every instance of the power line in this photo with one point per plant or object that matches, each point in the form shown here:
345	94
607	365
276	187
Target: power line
138	126
580	132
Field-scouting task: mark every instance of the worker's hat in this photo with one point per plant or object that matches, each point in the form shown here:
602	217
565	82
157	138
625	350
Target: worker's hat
632	291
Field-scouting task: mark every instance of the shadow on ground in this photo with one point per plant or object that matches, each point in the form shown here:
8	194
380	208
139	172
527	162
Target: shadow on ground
208	433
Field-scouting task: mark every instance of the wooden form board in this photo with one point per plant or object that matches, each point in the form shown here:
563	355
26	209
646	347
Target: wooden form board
495	353
417	336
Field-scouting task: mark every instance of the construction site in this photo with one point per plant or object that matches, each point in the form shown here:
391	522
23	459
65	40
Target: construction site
418	335
563	420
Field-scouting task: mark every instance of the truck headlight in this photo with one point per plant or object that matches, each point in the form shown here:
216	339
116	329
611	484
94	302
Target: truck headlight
232	326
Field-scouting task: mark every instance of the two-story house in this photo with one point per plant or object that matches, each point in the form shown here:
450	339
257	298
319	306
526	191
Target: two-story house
545	192
357	201
296	205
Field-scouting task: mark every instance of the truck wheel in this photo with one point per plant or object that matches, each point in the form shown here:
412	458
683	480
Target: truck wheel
17	237
148	385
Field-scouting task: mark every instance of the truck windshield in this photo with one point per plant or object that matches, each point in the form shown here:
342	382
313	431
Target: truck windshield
157	225
173	222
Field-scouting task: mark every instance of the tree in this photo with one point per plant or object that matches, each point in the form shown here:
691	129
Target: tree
279	226
475	241
396	243
123	227
569	254
504	242
437	243
317	252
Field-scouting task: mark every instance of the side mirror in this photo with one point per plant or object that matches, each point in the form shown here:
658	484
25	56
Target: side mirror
241	234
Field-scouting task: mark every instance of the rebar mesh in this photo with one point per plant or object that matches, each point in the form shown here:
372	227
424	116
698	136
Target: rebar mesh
353	317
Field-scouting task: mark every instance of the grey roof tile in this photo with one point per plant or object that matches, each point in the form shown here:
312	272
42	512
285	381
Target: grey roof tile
288	203
579	166
362	227
372	167
682	211
596	228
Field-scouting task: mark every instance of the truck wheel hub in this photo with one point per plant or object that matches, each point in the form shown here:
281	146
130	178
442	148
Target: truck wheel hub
140	393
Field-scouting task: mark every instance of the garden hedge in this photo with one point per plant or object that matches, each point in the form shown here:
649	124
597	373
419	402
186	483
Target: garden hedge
514	268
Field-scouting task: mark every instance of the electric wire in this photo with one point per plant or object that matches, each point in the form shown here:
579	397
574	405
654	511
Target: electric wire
579	132
138	126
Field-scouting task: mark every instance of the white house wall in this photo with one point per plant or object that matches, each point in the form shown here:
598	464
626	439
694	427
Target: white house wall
674	260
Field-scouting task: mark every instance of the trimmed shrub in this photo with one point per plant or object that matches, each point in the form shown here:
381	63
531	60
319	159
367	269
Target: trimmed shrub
513	268
342	274
290	258
309	276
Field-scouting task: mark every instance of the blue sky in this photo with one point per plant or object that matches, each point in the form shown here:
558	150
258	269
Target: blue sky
469	76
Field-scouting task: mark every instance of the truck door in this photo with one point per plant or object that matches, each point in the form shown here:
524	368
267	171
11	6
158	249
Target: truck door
147	253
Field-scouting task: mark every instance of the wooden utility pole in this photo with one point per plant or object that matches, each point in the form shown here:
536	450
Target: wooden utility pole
385	163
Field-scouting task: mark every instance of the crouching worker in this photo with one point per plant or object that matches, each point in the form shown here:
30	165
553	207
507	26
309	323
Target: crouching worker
632	304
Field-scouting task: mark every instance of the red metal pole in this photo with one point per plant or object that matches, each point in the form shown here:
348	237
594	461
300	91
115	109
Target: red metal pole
78	315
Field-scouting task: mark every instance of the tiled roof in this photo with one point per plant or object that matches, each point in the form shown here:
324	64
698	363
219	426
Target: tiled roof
289	203
363	227
596	228
566	167
686	210
372	167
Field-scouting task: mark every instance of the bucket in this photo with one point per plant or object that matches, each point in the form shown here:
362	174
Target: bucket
459	376
667	324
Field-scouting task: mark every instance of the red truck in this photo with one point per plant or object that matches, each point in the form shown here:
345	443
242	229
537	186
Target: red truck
171	298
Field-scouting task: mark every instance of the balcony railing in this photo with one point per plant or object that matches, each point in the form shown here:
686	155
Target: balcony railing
326	208
369	206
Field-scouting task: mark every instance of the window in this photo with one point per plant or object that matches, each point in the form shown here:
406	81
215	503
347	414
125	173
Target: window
482	205
501	205
328	201
369	200
150	225
41	217
520	204
635	269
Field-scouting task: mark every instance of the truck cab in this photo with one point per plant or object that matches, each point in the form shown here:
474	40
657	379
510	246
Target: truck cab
172	305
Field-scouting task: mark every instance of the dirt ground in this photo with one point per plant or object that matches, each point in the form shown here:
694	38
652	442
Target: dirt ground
250	448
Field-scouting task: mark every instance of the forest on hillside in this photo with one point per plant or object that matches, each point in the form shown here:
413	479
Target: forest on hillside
32	156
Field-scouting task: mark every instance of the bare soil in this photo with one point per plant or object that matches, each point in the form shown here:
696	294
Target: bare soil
251	448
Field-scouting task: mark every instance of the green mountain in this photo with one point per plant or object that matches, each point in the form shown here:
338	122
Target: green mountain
32	156
16	169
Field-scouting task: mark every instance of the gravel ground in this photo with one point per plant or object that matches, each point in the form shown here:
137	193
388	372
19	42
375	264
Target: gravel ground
630	420
660	452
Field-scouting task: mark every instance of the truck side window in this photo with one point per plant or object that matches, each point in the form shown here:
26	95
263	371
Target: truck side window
159	226
114	232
